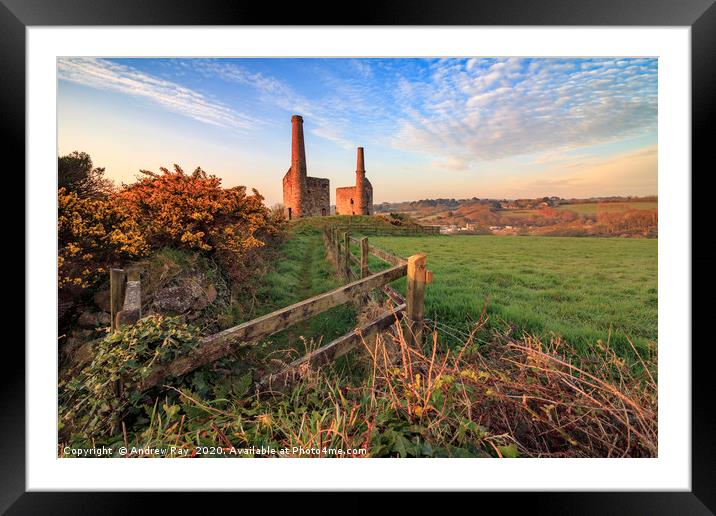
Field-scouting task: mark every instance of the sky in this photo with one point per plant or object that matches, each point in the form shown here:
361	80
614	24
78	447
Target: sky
454	128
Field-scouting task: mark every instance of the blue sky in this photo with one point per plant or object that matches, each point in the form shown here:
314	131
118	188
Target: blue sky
502	127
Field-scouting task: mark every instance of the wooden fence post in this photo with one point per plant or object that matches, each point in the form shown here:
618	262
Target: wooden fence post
415	297
131	310
117	282
364	257
336	246
347	256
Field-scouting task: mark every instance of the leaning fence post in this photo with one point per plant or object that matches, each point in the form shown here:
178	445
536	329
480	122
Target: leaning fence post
415	297
364	257
347	256
117	281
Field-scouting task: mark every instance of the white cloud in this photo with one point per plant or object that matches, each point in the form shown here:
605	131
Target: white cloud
490	109
108	75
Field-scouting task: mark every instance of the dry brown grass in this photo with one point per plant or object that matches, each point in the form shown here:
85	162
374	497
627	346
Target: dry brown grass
537	396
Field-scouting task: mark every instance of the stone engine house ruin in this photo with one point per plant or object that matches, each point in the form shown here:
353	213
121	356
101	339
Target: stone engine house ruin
303	196
358	199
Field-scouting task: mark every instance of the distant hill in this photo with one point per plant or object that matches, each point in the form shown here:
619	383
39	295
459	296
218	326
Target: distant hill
541	215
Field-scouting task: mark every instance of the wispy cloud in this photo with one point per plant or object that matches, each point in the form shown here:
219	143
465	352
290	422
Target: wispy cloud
349	113
109	75
494	108
463	111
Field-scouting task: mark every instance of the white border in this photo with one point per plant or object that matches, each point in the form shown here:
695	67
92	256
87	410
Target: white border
671	471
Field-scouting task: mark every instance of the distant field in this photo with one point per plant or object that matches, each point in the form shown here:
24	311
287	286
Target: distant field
575	287
590	208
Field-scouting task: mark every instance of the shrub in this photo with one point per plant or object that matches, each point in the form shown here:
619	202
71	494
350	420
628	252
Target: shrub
108	388
76	173
192	211
93	235
627	220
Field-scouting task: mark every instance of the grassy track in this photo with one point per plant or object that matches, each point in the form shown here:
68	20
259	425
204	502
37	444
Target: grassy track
579	288
302	271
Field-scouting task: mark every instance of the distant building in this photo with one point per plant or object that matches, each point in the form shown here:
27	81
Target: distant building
358	199
303	196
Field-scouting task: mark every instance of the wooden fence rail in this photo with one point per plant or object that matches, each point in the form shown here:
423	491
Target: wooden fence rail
359	285
416	271
373	229
218	345
330	351
338	244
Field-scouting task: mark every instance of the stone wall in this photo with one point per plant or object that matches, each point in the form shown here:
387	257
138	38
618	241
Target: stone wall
358	199
345	200
367	197
348	202
317	198
291	195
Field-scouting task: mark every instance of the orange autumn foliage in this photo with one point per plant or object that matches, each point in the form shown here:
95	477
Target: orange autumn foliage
626	220
93	235
170	209
192	211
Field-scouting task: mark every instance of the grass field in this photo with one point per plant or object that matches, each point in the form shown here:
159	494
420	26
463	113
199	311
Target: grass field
590	208
579	288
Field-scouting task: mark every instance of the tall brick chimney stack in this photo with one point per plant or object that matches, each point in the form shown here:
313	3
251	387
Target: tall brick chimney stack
298	164
361	200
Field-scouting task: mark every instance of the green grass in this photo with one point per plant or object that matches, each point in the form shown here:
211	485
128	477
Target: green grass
590	208
578	288
299	271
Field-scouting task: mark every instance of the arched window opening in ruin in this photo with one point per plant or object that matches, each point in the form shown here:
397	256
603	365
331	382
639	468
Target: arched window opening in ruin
323	212
289	214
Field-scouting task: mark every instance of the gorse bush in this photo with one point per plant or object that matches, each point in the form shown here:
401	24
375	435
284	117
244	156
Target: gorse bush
192	211
93	234
171	209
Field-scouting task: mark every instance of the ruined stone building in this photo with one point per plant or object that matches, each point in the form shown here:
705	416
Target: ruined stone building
303	196
358	199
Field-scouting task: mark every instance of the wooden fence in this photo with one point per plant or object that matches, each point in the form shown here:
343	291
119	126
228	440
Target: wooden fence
388	230
339	245
218	345
125	297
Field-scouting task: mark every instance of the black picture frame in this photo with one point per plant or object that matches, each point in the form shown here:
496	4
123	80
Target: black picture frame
700	15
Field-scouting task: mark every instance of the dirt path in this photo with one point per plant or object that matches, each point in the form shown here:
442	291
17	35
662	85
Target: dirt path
305	284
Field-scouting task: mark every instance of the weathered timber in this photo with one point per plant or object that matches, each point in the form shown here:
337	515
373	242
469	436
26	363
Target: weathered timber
117	281
355	260
346	256
329	352
364	257
337	248
132	309
388	229
415	296
386	256
393	294
220	344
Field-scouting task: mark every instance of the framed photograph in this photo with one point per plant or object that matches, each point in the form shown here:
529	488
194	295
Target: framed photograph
434	250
